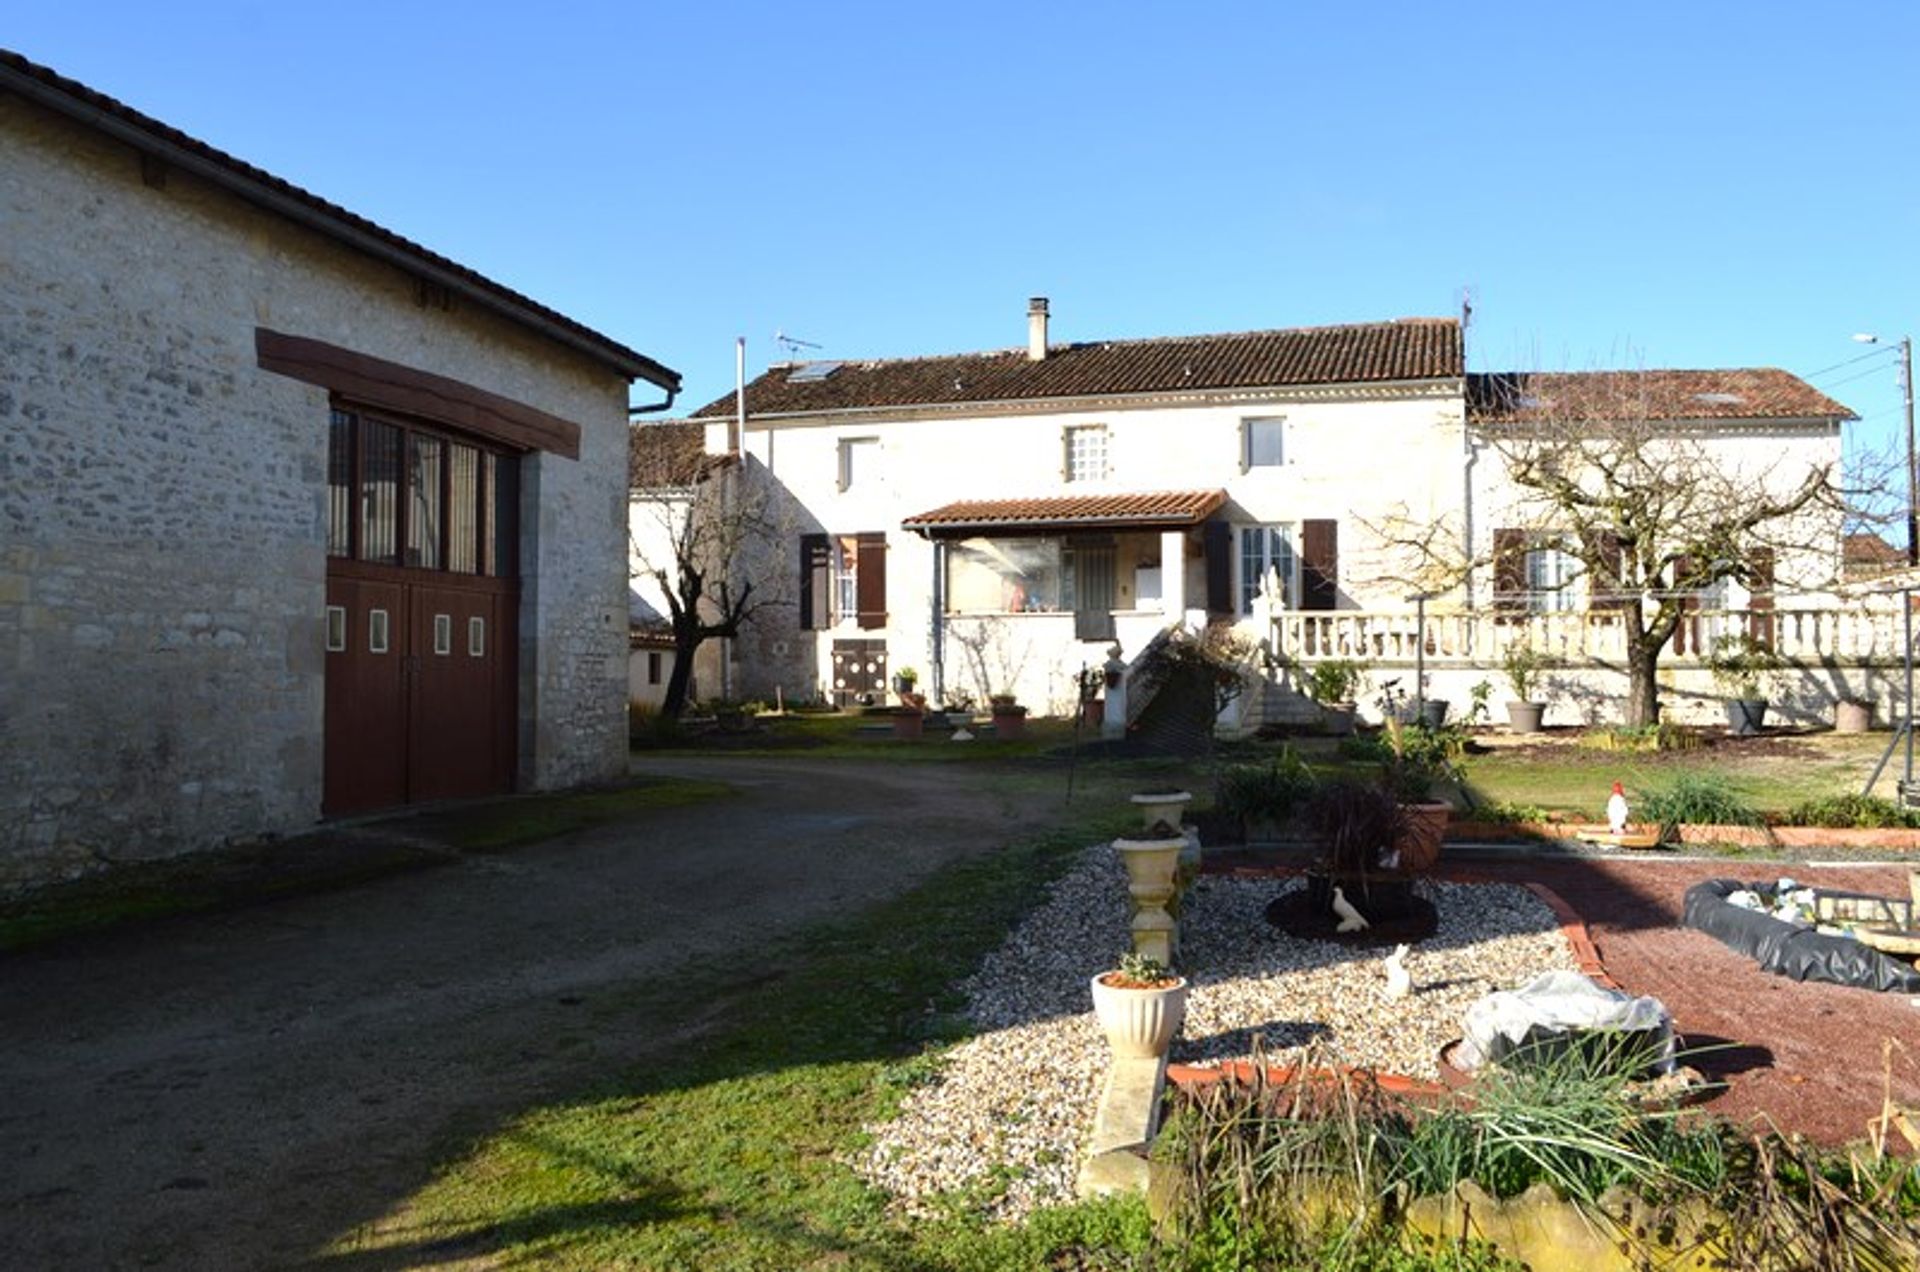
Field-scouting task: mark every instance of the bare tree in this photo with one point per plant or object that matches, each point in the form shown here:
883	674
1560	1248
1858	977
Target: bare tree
707	530
1618	472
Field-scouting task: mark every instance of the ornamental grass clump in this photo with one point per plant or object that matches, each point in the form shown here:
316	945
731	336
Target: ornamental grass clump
1700	799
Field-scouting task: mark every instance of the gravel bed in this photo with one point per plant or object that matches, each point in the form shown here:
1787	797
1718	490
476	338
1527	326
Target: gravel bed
1010	1107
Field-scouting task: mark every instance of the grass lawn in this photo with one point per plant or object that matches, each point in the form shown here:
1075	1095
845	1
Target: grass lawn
1771	776
730	1158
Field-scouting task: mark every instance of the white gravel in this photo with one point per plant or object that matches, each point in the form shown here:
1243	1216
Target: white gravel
1013	1104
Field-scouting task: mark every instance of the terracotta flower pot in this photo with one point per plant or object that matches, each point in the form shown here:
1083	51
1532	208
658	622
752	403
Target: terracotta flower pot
909	725
1419	844
1139	1023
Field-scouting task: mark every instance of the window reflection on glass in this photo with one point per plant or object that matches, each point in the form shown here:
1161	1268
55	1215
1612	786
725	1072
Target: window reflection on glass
476	638
443	633
336	628
377	631
380	492
424	457
1264	444
502	500
1004	576
463	510
340	485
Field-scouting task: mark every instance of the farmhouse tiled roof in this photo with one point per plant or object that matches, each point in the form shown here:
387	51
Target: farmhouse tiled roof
665	454
1757	393
1159	508
1404	349
171	147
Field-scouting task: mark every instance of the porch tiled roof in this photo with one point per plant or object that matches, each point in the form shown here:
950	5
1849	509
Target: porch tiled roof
1755	393
1158	508
1404	349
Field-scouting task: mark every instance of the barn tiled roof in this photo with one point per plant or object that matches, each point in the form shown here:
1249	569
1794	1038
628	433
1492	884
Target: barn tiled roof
1405	349
1756	393
1158	508
171	146
664	454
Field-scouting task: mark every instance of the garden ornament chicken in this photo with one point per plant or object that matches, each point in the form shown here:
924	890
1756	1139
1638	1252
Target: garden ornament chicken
1617	810
1351	920
1399	979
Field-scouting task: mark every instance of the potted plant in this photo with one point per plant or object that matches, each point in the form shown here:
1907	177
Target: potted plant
1140	1005
910	717
1357	826
1091	681
1419	759
904	681
1522	664
1009	717
1743	668
1333	684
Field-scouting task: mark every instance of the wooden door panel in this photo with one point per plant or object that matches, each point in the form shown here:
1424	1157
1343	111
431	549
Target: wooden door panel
365	727
455	708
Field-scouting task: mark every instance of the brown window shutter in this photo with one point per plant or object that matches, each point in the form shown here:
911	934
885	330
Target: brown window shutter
816	583
870	579
1602	550
1509	569
1319	565
1760	602
1216	546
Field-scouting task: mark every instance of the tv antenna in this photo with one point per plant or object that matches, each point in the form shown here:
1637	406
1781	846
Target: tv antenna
792	344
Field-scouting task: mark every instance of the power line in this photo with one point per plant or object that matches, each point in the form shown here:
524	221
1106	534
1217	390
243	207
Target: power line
1871	353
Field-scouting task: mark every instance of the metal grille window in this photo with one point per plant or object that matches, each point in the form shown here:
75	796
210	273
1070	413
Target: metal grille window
401	495
1087	452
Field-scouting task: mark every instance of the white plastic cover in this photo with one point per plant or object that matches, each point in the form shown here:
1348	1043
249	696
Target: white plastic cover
1560	1002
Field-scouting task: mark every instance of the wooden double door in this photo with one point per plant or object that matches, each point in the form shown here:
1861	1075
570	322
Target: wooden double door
421	692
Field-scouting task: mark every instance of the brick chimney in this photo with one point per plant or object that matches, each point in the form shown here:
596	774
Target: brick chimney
1037	329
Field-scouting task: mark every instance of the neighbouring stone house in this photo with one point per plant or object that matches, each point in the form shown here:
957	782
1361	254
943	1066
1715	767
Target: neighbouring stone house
297	518
1000	520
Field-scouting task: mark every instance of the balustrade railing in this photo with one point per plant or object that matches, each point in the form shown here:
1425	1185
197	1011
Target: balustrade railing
1804	635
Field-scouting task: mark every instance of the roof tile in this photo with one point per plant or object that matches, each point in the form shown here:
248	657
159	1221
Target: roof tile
1738	394
1160	508
1405	349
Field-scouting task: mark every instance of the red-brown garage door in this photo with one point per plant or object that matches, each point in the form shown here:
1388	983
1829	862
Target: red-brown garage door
421	612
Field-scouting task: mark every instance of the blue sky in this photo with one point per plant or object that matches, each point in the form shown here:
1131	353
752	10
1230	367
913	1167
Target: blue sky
1673	184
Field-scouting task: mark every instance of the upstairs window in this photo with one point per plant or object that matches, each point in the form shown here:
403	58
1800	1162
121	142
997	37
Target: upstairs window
398	494
1262	443
1086	452
859	461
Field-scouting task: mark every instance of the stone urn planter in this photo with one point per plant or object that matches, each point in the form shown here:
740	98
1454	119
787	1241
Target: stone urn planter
1160	811
1337	718
1140	1011
1151	865
1524	717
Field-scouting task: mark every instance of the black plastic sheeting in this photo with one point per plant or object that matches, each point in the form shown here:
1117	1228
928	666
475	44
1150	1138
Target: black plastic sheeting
1789	949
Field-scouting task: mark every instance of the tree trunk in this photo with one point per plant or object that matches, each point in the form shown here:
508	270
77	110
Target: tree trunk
1643	692
675	702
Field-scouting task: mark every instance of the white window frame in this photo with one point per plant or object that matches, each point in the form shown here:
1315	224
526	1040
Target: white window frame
1090	463
868	448
845	576
1243	587
1553	590
1279	423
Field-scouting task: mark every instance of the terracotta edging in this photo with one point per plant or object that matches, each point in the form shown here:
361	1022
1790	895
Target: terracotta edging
1896	839
1586	956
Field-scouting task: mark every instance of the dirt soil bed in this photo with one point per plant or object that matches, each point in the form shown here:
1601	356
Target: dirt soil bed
1808	1056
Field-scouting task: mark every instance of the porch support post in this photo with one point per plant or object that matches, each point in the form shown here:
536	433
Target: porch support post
1173	575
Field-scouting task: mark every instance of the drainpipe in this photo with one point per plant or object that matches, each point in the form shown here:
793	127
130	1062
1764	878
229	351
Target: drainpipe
937	623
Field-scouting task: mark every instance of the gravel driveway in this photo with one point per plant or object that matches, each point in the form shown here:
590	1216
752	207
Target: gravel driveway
235	1089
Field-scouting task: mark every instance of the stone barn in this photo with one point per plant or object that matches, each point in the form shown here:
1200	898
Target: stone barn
298	519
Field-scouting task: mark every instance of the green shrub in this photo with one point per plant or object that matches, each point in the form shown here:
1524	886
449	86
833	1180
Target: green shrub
1696	798
1851	812
1270	791
1335	680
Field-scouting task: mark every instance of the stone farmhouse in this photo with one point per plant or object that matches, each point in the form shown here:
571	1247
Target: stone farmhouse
297	518
1000	520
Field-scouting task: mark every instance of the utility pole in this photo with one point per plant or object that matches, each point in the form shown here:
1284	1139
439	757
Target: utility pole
1913	472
